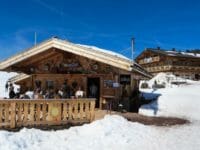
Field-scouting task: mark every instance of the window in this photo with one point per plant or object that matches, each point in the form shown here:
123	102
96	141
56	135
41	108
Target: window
125	79
49	84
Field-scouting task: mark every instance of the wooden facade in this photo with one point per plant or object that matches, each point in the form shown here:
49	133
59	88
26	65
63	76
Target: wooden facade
78	70
53	62
186	65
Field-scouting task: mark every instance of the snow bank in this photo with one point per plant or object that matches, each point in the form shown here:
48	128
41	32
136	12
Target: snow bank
165	79
182	101
110	133
4	76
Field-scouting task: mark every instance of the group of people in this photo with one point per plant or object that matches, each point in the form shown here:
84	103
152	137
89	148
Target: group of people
63	93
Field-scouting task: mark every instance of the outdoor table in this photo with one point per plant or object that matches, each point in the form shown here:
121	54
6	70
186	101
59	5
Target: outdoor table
109	100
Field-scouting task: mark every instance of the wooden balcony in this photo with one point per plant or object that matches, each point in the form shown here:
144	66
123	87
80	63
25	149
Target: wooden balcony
187	68
170	67
159	68
21	113
149	60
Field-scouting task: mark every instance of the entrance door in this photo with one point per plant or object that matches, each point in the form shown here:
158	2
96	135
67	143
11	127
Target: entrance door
93	89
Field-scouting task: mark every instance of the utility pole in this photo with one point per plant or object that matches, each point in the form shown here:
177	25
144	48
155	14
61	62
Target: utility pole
35	39
132	47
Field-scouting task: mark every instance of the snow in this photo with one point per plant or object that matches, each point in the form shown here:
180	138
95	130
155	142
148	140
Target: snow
112	132
183	53
191	54
180	101
174	100
104	51
116	133
166	79
4	76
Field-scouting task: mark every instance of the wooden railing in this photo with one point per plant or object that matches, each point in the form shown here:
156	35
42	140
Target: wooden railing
21	113
149	60
159	68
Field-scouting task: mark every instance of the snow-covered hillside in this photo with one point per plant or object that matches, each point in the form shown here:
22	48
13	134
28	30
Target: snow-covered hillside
175	100
178	101
166	80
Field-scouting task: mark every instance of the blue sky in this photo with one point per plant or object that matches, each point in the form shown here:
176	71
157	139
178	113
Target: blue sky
108	24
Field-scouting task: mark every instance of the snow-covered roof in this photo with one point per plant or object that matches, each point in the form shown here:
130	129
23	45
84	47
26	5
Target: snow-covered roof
110	52
105	56
175	53
183	53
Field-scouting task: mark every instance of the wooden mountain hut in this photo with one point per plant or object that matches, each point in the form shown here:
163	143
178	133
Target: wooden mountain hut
179	63
103	76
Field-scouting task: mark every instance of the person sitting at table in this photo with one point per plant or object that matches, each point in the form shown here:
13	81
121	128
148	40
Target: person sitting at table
11	91
79	93
37	94
66	90
17	94
57	94
60	93
30	93
49	94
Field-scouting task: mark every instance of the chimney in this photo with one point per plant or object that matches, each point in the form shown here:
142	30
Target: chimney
158	48
173	49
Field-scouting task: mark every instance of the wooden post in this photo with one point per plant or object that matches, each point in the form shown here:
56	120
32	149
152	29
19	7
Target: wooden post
32	112
65	111
81	110
44	111
87	110
1	113
6	112
70	111
92	106
49	118
19	112
59	117
13	115
75	110
25	112
37	112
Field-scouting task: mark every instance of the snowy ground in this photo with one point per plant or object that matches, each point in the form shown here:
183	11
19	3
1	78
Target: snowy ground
116	133
175	100
182	101
110	133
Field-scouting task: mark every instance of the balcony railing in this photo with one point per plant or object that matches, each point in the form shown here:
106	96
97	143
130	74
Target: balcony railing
22	113
170	67
149	60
